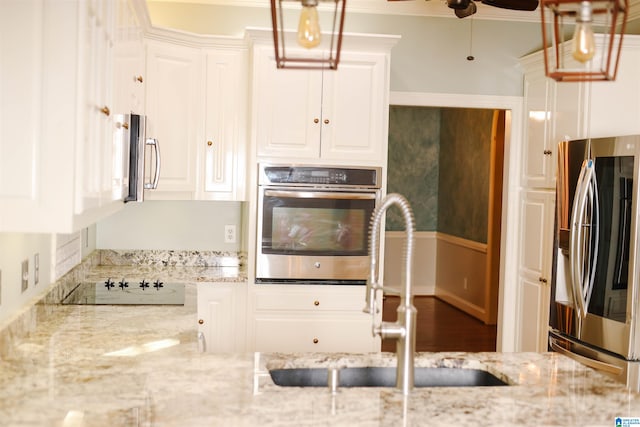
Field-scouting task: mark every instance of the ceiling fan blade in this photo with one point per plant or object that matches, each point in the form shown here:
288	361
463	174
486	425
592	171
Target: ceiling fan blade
527	5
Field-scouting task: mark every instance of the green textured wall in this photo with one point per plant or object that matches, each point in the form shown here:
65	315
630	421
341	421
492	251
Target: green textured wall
414	134
465	150
439	160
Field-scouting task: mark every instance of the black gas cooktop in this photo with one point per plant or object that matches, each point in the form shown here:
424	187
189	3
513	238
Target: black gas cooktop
127	293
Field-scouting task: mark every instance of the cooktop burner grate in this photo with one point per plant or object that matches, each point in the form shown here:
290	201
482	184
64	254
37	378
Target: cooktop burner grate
126	293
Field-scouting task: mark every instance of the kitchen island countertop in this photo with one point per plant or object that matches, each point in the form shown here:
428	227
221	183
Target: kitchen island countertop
118	365
87	365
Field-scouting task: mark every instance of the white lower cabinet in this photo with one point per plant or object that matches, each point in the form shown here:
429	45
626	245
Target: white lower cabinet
537	216
310	319
221	317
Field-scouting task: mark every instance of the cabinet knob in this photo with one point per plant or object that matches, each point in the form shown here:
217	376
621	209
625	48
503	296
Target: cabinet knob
200	321
105	110
315	340
326	121
547	152
125	125
139	79
316	303
542	280
316	120
209	143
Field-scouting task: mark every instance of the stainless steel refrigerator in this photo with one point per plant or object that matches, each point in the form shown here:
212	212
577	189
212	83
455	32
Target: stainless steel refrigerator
594	293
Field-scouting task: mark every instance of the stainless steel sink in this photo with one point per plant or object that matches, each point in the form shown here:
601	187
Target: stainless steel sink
384	377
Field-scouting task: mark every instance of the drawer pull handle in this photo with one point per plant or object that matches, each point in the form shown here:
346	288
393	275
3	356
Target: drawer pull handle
316	303
315	340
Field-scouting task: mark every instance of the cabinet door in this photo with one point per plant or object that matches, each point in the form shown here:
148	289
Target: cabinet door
567	110
614	107
224	146
129	61
174	115
287	109
539	165
536	253
220	317
354	115
95	178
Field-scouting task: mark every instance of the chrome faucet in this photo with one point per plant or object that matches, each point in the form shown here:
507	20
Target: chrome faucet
403	330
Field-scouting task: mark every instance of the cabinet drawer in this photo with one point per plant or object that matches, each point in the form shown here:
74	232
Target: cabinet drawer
310	334
325	298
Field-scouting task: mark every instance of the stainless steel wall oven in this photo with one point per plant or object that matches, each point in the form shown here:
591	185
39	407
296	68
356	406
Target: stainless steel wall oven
313	223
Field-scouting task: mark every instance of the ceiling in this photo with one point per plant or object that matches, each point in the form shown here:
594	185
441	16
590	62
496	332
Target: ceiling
436	8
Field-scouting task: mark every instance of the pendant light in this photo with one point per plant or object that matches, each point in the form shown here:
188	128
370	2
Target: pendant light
588	56
307	47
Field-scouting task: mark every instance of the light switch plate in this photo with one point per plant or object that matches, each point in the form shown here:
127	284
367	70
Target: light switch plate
25	275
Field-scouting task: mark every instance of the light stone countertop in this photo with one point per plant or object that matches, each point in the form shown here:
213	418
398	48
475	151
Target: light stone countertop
139	366
66	365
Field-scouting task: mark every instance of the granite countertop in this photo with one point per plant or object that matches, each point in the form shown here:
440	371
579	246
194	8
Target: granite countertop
87	365
118	365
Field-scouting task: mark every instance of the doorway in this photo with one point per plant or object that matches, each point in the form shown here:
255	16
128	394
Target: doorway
497	267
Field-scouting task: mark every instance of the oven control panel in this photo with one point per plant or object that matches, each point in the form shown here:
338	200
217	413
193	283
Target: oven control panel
319	175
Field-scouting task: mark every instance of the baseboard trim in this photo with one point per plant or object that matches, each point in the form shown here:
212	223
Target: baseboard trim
462	304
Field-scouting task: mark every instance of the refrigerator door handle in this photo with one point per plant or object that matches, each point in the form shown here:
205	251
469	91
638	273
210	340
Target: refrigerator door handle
576	237
582	260
592	363
594	206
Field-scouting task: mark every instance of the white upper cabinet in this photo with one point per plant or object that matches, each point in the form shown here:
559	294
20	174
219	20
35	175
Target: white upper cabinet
174	115
196	108
58	168
224	143
560	111
322	115
539	155
129	61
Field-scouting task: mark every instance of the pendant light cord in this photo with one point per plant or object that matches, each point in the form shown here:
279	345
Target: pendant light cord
470	57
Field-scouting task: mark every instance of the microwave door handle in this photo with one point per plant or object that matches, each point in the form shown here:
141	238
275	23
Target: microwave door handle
302	194
156	177
576	255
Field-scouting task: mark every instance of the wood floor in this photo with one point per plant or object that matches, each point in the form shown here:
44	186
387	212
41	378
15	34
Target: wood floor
442	327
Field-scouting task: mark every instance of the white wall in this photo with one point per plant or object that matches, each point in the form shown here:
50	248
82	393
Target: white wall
177	225
424	261
15	248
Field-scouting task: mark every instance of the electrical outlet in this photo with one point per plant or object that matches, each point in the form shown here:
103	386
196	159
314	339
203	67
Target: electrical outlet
36	269
25	275
229	233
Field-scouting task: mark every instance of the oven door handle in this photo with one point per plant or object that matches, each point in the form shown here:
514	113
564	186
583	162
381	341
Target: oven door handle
298	194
